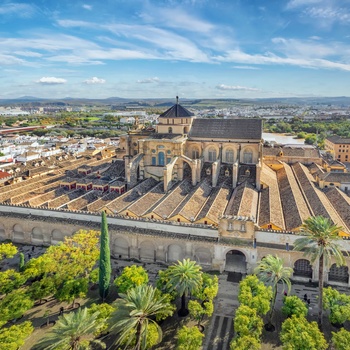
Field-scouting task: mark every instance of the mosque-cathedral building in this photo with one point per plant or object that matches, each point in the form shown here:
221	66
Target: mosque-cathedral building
207	189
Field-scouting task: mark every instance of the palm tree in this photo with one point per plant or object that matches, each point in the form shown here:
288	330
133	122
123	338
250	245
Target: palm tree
271	271
73	331
319	244
135	313
184	277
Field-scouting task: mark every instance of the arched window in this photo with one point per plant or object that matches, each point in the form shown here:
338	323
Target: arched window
212	154
170	130
195	153
229	155
248	156
161	158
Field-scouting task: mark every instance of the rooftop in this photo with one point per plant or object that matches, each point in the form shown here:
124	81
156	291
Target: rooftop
226	129
176	111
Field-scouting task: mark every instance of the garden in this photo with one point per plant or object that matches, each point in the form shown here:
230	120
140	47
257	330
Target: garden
67	298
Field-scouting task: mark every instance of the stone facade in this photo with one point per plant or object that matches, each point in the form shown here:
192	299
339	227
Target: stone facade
181	145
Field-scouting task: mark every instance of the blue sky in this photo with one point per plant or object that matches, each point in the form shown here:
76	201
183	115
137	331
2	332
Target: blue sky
161	48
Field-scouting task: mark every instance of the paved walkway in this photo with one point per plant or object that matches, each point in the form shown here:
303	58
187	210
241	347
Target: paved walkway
220	330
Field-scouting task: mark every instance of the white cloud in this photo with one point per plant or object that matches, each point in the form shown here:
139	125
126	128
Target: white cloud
306	48
245	67
235	88
328	13
95	80
28	53
176	18
51	80
18	9
315	37
299	3
87	7
9	60
149	80
270	58
164	44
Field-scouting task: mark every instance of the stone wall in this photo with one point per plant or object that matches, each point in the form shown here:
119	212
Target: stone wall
155	240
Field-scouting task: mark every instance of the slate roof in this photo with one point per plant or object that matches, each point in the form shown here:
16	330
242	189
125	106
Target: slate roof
176	111
226	128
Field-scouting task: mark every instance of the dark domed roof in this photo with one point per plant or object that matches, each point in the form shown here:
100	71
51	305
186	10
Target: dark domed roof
176	111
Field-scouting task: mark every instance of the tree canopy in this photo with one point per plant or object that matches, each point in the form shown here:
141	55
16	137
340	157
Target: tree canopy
132	276
341	339
338	304
271	271
189	338
7	250
74	330
255	294
320	244
183	277
13	337
134	312
298	333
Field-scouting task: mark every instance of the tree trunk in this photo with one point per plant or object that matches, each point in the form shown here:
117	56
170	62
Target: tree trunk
183	302
138	337
273	301
320	291
183	311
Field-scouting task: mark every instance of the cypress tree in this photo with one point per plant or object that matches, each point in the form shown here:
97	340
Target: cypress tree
105	259
21	262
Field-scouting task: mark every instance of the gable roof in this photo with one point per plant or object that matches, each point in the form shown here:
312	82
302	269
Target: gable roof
176	111
227	128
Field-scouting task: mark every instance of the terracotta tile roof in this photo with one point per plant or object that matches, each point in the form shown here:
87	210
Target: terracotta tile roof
115	169
81	202
295	209
34	192
219	204
244	201
173	199
40	200
270	206
147	201
341	202
317	200
226	129
196	201
338	140
101	202
335	177
4	175
126	199
65	198
292	151
315	170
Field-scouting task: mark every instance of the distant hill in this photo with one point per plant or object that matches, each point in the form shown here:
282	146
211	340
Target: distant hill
167	102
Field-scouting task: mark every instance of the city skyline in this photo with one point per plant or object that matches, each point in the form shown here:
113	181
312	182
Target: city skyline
193	48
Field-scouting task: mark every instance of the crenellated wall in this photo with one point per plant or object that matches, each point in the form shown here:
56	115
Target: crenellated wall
155	240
